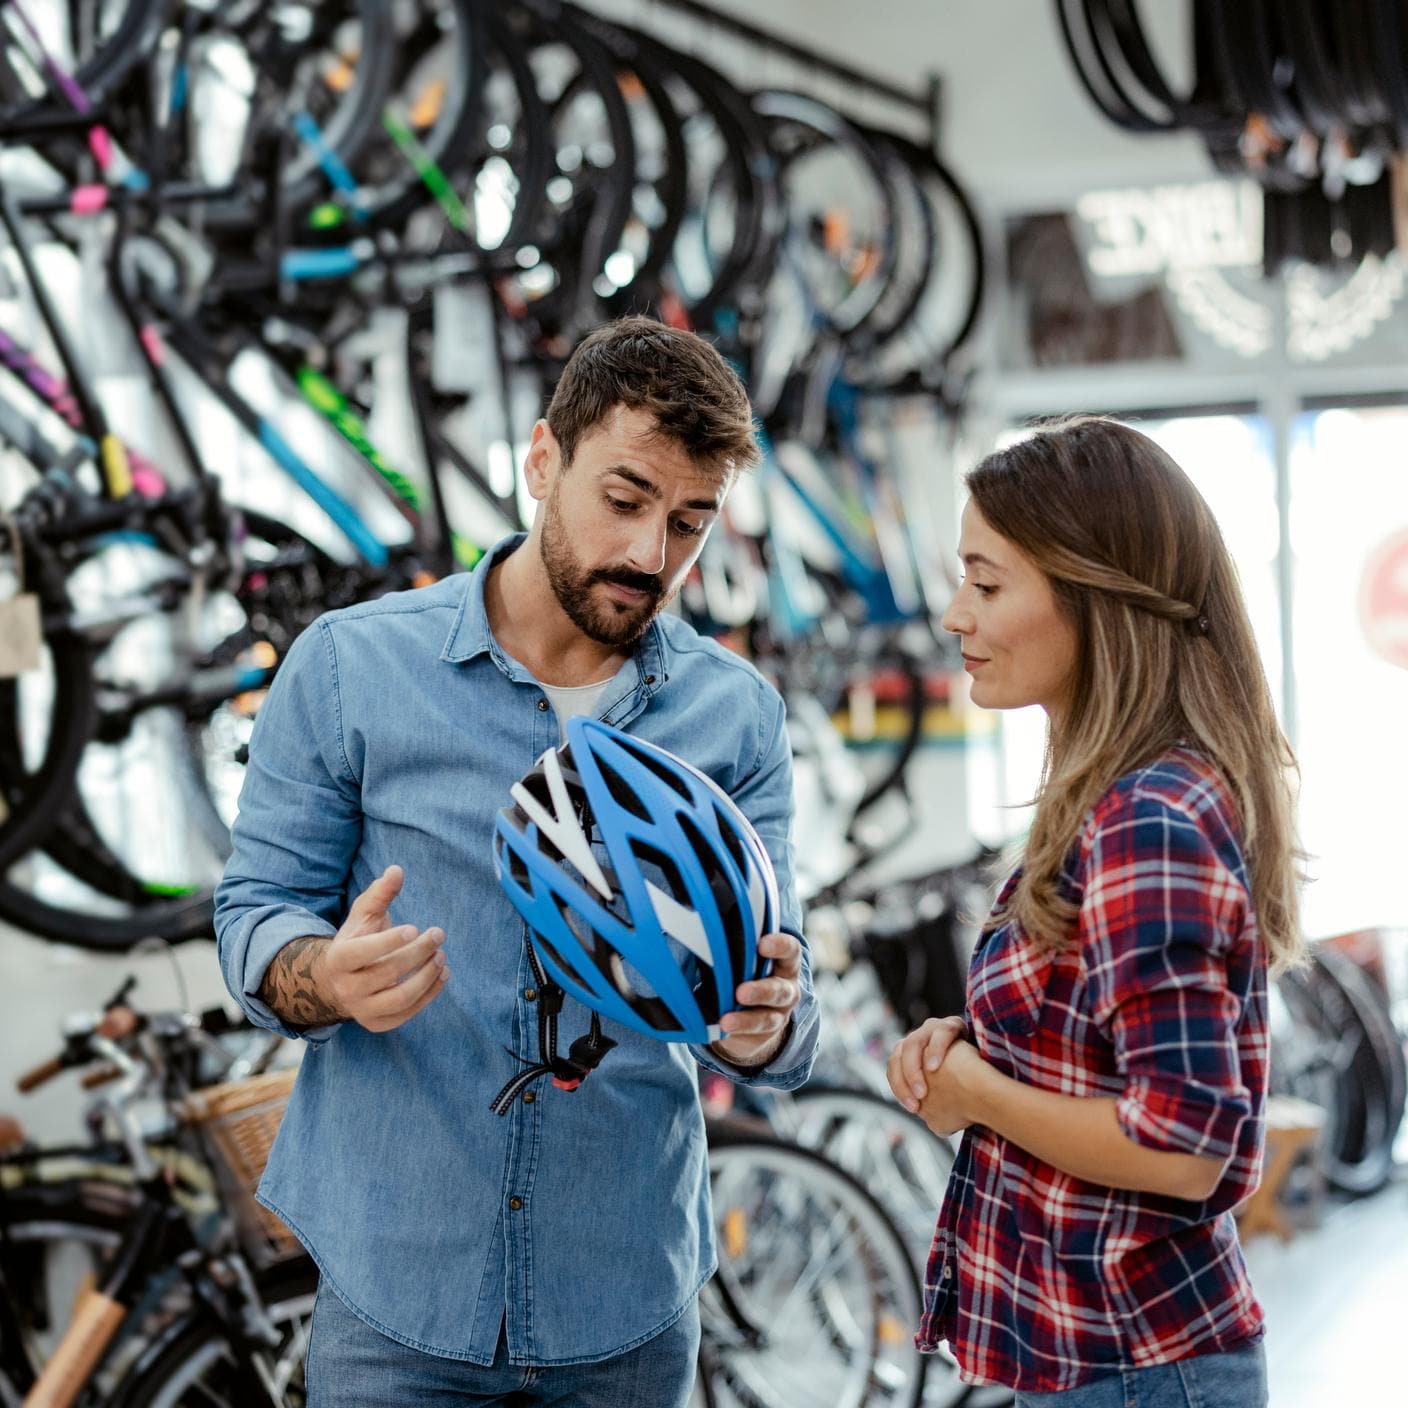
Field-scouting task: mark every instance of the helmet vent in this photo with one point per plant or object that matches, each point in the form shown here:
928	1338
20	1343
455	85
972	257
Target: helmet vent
646	760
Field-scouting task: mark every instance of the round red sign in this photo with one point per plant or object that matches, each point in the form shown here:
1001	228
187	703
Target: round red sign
1383	600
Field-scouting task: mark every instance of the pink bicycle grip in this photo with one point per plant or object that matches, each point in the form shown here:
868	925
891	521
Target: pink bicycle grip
101	145
88	200
151	340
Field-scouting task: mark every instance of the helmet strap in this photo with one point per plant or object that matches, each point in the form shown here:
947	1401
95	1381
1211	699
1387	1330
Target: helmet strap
567	1072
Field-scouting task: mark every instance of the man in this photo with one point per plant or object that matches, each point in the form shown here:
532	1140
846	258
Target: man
554	1255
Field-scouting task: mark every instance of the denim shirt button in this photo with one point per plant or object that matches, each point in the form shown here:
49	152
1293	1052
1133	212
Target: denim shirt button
542	706
515	1203
528	1097
530	994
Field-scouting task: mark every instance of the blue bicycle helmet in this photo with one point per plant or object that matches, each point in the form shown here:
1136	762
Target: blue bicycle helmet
684	864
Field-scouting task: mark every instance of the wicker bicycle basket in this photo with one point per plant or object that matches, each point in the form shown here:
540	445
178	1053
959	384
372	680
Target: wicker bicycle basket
239	1121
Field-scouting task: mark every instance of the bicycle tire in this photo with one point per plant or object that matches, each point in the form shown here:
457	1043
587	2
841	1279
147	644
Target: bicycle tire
196	1344
296	592
915	710
917	244
35	799
667	187
1192	111
35	1219
1319	92
936	334
852	1127
1390	48
579	237
735	1150
103	71
1111	100
1342	1074
1366	103
741	273
1370	1009
455	127
824	1113
300	183
852	318
538	162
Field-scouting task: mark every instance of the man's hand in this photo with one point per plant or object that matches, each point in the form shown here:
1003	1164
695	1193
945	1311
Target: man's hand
919	1055
756	1034
371	971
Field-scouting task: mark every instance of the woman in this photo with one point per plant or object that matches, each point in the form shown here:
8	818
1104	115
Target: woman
1113	1078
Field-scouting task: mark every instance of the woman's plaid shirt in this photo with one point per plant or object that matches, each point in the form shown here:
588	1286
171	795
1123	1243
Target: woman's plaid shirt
1041	1281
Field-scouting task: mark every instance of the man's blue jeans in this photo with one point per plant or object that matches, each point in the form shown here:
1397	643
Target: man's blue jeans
1235	1380
351	1365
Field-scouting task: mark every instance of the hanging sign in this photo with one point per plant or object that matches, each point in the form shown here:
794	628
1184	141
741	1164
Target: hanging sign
1383	600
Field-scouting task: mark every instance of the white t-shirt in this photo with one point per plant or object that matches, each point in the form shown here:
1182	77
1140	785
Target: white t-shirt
574	699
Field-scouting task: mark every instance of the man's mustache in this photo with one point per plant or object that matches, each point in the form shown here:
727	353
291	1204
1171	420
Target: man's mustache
634	581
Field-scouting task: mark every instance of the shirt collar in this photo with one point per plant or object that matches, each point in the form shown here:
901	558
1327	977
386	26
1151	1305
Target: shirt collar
470	634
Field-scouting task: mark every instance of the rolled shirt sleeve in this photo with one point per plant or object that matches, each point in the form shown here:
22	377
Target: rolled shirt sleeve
297	832
766	799
1159	915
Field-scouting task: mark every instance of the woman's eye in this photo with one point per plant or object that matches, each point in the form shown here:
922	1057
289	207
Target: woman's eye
983	589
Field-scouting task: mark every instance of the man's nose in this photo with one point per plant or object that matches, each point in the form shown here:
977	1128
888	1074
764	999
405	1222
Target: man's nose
646	552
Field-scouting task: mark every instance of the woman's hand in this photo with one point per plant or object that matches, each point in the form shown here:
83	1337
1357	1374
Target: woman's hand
955	1093
918	1056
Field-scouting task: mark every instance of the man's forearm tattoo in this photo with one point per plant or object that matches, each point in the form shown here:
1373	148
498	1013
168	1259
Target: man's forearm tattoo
288	985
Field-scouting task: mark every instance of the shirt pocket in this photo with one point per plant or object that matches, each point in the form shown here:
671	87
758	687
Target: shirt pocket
1007	983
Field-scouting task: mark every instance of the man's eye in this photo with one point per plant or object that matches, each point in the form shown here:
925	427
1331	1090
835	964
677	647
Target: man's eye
688	530
620	505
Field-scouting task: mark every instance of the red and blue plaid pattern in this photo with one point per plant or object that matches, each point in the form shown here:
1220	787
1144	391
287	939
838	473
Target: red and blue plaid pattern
1041	1281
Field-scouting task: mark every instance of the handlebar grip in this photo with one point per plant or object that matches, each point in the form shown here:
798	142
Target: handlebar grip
319	263
33	1078
93	1079
216	1021
118	1023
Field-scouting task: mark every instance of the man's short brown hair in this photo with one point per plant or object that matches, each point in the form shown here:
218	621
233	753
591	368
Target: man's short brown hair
694	396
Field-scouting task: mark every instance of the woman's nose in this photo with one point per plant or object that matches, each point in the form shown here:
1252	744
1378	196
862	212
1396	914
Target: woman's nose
957	619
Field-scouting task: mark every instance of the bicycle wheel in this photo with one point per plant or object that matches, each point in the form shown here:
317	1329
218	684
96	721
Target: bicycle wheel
54	1239
1323	1052
193	1365
906	1168
1372	1149
119	38
815	1300
892	1152
257	75
136	853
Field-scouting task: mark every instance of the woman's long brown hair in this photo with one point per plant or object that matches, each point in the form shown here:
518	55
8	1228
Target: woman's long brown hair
1165	655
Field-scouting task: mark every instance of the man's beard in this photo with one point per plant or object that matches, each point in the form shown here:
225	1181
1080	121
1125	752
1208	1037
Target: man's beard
606	622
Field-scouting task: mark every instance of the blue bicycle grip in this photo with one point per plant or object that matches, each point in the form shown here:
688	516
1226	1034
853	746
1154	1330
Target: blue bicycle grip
319	263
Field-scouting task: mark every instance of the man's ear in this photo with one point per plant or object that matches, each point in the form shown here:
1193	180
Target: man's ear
543	462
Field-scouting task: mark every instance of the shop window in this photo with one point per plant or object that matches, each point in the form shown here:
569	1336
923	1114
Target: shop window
1349	538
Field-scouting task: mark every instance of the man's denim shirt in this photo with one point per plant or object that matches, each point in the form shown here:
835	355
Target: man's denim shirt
392	734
